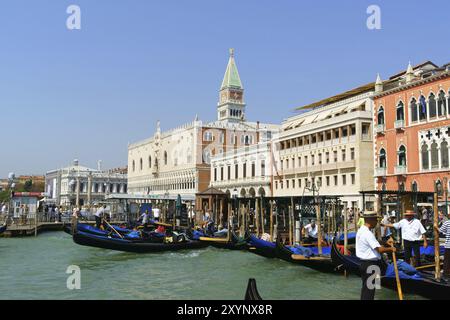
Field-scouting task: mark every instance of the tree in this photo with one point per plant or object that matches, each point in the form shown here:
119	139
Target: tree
28	185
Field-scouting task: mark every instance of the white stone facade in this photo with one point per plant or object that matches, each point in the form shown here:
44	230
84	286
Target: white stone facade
332	145
93	185
247	171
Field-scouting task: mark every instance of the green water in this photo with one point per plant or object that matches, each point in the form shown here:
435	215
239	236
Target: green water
35	268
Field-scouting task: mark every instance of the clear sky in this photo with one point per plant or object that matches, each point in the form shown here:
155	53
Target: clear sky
87	93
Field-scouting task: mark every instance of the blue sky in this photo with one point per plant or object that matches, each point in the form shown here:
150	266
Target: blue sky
87	93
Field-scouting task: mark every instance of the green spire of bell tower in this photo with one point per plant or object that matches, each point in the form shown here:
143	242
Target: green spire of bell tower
231	105
231	78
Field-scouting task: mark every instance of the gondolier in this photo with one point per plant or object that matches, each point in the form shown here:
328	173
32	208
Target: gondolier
412	232
368	249
99	216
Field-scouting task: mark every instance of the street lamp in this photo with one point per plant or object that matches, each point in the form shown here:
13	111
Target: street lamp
235	195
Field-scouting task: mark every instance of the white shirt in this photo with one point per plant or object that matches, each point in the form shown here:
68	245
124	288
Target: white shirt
411	230
366	243
145	217
4	209
156	213
100	212
310	231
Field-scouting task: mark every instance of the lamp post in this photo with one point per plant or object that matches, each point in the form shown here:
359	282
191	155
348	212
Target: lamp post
314	187
235	195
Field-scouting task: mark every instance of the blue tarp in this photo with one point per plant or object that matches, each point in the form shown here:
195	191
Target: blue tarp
405	271
350	236
429	251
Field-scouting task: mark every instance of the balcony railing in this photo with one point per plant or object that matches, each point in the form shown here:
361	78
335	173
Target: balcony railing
380	172
379	128
400	169
399	124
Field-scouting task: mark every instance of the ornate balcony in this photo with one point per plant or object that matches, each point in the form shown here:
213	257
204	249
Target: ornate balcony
400	170
380	172
399	124
379	128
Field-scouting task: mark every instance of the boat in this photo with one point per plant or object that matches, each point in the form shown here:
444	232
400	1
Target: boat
261	247
422	283
3	228
308	257
137	245
94	230
252	293
234	242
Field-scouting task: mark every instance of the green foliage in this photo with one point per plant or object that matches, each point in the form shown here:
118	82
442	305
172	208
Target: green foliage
28	185
4	196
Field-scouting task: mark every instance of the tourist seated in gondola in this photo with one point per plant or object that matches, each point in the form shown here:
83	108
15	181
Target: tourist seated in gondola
310	232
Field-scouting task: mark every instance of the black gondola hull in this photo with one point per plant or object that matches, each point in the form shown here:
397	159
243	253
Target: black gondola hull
85	239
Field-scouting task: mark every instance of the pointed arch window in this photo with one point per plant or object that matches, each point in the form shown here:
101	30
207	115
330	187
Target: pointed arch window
441	104
134	166
400	111
150	162
434	156
444	154
141	164
165	158
422	108
432	105
381	115
382	159
402	156
413	108
425	157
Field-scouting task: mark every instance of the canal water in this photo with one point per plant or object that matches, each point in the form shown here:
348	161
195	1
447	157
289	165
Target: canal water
35	268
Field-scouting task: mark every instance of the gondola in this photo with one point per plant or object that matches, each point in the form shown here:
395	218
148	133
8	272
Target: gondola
261	247
296	255
84	227
423	283
252	293
233	243
3	228
136	246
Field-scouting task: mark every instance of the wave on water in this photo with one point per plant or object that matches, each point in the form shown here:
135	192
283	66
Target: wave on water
186	255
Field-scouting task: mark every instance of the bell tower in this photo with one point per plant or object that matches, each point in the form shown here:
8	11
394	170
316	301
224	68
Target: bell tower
231	106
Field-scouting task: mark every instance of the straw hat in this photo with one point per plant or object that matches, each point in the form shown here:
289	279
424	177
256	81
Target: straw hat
369	214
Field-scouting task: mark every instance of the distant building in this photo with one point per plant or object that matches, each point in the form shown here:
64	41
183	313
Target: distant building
178	161
79	185
246	171
330	143
412	129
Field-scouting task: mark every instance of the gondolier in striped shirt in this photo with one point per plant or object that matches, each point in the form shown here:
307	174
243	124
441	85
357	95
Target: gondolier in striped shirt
445	229
368	250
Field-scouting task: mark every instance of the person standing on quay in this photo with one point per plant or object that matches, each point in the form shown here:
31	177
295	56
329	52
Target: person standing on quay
369	250
412	232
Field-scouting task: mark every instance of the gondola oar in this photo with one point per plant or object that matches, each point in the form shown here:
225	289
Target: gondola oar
397	277
113	229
